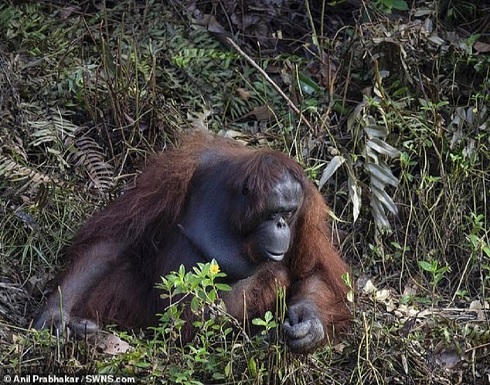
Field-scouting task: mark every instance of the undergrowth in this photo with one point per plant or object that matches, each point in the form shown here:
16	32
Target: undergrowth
384	103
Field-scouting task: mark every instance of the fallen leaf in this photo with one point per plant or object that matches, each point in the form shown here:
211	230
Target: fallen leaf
243	93
383	294
66	12
211	24
481	47
448	358
262	113
369	287
112	344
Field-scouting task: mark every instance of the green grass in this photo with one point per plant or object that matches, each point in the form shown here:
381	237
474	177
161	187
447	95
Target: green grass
394	128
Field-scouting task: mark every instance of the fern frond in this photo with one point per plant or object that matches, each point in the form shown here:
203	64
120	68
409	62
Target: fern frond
15	172
88	154
55	130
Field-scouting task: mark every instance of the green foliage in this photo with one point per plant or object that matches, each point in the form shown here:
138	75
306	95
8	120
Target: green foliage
197	290
221	350
437	272
388	6
393	122
268	322
187	56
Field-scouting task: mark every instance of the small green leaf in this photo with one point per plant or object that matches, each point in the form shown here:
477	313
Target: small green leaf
268	316
426	266
258	322
308	85
252	366
223	287
486	250
400	5
228	368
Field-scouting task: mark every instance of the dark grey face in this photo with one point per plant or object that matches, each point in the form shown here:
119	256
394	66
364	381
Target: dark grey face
273	234
240	228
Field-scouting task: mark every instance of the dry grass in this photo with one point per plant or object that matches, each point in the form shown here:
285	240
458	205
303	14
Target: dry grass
398	103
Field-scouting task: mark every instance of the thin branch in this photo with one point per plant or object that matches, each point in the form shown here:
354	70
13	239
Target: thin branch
271	82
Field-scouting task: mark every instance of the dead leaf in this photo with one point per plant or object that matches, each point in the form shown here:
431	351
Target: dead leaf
408	326
339	348
235	135
481	47
198	120
35	285
448	358
112	344
243	93
262	113
368	287
407	311
436	40
211	24
383	294
477	305
66	12
410	288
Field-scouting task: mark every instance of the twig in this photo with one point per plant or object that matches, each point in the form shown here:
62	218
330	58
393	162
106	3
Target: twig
272	83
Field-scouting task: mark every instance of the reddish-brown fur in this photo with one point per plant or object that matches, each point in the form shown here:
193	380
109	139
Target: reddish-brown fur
121	252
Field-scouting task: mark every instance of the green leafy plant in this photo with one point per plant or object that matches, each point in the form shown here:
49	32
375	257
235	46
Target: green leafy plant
215	354
195	289
388	6
436	271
